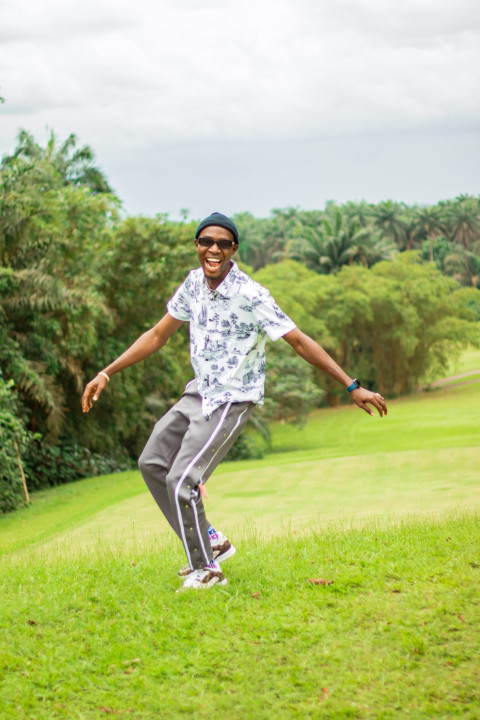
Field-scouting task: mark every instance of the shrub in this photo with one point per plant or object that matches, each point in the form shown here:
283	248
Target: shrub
13	437
49	465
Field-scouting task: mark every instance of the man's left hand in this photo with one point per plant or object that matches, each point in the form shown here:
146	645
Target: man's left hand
362	396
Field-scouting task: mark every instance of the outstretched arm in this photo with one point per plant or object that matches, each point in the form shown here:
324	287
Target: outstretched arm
143	347
314	354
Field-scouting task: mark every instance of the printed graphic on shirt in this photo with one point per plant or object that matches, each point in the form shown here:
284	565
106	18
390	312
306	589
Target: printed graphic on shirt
228	329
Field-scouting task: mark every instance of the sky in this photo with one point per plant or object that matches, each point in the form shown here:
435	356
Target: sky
250	105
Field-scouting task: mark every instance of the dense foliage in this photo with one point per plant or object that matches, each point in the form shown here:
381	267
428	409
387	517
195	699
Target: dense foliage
13	439
390	291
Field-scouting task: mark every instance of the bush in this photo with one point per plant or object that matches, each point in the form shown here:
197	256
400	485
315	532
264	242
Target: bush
13	437
252	443
49	465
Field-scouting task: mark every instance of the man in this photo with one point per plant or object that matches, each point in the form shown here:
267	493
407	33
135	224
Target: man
230	316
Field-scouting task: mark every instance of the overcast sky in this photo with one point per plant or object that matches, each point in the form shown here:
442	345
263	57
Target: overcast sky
236	105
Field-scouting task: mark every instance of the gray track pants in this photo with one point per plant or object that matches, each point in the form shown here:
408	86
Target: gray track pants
181	453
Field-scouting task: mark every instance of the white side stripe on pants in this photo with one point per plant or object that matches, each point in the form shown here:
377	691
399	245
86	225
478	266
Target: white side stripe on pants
194	506
187	470
225	441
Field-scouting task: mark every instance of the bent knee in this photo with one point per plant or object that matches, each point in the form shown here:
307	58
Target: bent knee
145	462
150	464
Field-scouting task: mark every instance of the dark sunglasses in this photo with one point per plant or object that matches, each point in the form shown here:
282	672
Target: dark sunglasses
221	244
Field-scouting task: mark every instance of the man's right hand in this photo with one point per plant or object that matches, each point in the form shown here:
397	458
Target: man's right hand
93	391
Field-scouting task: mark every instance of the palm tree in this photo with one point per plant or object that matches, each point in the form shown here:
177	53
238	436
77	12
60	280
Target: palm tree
45	290
360	212
428	224
266	241
252	247
464	266
307	247
74	165
371	248
390	219
463	217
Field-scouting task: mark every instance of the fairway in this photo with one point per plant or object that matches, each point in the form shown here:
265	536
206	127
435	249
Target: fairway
392	633
424	457
353	594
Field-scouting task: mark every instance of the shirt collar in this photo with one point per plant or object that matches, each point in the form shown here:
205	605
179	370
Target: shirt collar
228	282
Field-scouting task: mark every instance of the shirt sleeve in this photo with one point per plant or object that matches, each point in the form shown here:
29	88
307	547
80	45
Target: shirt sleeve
270	318
179	305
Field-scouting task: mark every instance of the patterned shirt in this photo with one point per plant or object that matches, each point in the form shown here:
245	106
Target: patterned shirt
228	330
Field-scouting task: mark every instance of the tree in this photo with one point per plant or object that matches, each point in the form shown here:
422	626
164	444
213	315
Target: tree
252	247
463	265
435	324
463	217
13	437
436	250
146	260
427	226
49	300
74	165
390	219
393	326
290	391
266	241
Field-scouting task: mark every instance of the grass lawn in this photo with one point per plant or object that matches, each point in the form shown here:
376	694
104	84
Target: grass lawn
423	457
386	511
469	379
395	634
468	361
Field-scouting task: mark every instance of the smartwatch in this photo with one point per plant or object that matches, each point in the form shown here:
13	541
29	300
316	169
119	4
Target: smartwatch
355	384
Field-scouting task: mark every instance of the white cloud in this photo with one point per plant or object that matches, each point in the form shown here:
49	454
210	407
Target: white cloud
134	77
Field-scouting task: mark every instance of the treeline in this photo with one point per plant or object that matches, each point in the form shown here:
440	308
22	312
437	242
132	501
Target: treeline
447	234
79	281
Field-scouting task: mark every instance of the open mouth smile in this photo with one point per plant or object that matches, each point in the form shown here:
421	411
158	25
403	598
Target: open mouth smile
212	263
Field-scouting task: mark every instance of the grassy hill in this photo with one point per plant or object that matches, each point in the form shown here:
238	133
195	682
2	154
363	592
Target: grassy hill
354	592
423	457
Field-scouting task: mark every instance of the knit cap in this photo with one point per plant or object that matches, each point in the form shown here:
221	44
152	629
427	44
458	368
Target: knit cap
217	218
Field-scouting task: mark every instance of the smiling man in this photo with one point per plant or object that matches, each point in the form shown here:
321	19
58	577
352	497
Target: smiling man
230	317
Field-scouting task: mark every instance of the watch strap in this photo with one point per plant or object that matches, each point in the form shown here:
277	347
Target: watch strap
355	384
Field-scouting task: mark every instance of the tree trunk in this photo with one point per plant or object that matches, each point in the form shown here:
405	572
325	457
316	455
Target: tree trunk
25	491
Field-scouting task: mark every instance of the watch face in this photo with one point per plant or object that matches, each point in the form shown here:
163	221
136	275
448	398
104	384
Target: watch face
357	383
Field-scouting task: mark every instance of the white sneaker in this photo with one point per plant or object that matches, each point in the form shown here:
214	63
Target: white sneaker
222	550
199	579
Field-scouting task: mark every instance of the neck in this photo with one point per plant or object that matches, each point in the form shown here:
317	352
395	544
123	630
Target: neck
213	283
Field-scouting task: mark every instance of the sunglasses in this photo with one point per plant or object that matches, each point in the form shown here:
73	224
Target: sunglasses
221	244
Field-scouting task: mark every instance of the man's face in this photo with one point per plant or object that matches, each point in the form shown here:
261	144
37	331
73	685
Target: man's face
215	261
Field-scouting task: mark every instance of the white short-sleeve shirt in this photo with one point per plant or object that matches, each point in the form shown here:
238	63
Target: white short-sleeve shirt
228	330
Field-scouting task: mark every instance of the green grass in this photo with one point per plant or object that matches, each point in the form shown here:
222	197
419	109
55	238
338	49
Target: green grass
386	509
468	361
423	457
97	633
474	377
427	420
58	510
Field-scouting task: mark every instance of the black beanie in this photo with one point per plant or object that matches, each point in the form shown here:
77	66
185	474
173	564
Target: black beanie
217	218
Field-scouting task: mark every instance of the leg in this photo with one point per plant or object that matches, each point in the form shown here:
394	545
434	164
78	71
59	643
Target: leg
160	452
205	444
